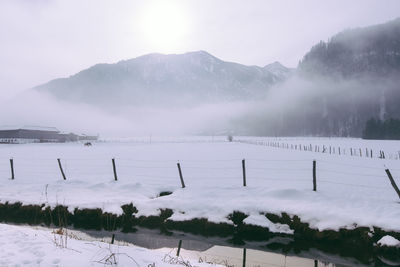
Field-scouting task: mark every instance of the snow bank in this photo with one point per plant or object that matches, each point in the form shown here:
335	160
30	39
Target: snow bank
20	245
261	220
389	241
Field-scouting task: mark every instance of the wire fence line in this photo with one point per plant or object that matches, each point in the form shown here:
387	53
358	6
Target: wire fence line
253	170
327	149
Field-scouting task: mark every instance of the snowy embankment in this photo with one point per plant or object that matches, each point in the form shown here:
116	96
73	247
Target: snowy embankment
22	245
351	191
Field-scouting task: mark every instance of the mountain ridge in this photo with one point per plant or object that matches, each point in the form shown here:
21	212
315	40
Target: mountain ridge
372	50
197	76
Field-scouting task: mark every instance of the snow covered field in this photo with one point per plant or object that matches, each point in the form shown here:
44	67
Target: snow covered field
350	190
25	246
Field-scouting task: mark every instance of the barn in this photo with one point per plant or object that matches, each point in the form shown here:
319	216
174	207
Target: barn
35	134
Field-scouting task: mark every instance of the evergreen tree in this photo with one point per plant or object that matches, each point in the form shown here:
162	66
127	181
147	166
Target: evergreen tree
376	129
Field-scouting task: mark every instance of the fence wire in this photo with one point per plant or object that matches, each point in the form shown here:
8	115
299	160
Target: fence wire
211	172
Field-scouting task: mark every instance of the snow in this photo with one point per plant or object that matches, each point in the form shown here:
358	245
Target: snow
279	70
261	220
22	245
389	241
351	190
28	127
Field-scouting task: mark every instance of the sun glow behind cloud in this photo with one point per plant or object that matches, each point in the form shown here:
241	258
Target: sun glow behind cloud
165	25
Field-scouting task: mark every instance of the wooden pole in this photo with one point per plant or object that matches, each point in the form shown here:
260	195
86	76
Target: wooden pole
12	168
61	169
179	248
244	171
393	182
114	169
180	175
112	238
244	257
314	175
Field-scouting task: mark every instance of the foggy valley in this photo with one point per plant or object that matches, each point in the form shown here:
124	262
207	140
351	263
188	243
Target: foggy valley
226	133
336	88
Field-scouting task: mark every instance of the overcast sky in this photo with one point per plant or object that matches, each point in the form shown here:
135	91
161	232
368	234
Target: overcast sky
43	39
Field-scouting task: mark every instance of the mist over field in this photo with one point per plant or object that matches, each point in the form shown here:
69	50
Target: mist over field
337	86
296	107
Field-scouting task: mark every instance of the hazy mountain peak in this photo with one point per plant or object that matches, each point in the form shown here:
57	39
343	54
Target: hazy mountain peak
279	70
193	77
275	64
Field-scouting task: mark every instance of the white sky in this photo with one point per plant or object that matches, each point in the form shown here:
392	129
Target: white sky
43	39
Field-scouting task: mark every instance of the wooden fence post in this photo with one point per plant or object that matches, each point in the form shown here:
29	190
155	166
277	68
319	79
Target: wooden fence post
244	257
12	168
393	182
180	174
244	171
112	238
314	175
61	169
179	248
114	169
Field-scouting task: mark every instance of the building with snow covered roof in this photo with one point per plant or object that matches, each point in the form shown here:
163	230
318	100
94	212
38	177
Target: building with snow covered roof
36	134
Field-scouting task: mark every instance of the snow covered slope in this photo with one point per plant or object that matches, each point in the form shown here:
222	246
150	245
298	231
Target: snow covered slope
22	245
189	78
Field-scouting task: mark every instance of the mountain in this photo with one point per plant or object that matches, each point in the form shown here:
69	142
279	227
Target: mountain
158	79
343	83
373	50
338	86
280	71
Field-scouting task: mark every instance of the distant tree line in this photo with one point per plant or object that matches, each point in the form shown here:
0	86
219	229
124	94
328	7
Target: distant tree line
376	129
370	50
